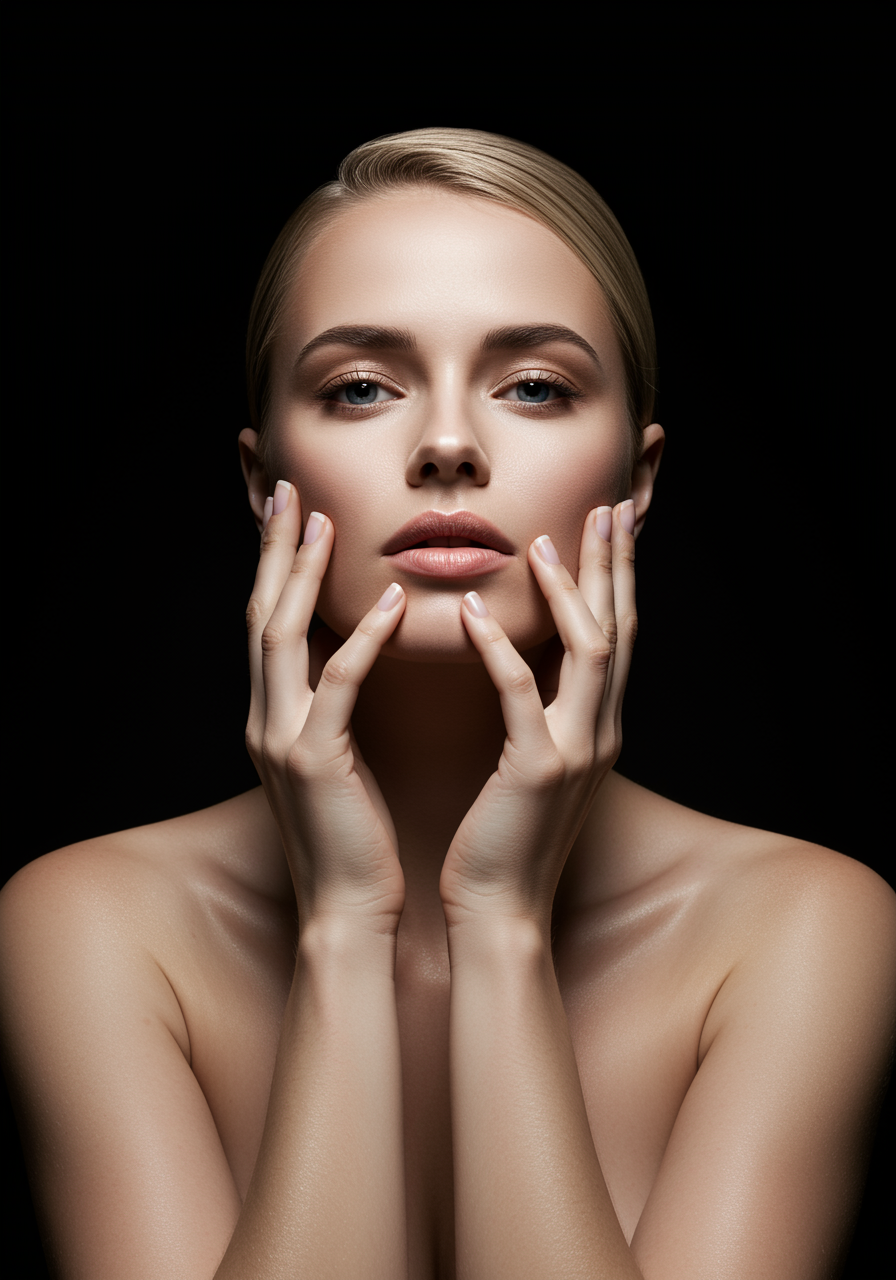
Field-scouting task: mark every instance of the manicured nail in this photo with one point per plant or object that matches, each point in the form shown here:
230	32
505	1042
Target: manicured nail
547	549
604	523
268	508
627	516
313	527
281	496
475	605
390	597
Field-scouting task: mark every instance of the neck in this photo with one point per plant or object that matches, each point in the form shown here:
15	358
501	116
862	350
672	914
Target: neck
432	734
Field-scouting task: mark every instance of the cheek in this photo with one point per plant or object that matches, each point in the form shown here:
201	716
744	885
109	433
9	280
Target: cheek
559	493
350	491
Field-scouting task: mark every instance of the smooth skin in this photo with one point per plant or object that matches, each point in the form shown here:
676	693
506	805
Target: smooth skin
446	995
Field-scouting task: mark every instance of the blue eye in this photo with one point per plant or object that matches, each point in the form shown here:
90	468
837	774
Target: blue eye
538	391
361	392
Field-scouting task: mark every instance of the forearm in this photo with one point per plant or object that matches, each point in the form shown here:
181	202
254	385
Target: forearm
530	1196
327	1194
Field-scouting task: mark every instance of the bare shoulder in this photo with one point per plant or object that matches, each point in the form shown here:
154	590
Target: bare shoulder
780	958
99	945
740	905
120	903
761	876
127	876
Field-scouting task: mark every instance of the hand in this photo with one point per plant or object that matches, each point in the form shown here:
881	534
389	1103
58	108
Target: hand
508	853
337	833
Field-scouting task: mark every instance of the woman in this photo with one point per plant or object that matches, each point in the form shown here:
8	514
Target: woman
446	995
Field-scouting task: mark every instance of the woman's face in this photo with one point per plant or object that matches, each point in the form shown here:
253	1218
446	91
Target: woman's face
442	355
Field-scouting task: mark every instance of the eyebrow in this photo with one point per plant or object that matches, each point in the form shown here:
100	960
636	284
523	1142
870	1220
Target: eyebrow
510	337
364	336
536	335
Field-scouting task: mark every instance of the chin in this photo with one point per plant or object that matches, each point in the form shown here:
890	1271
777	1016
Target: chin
431	630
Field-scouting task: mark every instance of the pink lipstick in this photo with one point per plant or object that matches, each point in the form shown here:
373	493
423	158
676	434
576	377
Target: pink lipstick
458	544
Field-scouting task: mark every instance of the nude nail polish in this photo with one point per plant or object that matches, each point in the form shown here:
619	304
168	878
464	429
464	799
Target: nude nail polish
627	516
313	527
475	604
281	496
547	549
390	598
604	523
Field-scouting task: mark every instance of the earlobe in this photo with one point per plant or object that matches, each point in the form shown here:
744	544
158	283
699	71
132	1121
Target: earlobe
644	472
254	473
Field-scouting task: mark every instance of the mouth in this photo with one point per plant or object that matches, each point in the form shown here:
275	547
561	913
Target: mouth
456	545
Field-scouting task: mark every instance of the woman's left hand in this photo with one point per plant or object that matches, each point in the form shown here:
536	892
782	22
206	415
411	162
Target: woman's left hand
507	855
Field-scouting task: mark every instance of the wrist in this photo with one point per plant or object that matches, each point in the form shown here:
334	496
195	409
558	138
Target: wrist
494	941
342	944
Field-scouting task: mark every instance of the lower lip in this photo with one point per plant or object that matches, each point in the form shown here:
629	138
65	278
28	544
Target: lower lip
449	562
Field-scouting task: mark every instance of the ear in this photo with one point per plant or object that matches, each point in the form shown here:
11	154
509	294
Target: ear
254	473
644	472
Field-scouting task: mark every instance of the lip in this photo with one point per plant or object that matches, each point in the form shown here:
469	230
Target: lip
446	561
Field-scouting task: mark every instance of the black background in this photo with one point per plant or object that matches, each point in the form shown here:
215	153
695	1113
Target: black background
148	173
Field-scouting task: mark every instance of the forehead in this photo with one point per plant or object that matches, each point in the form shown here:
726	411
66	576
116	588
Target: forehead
446	265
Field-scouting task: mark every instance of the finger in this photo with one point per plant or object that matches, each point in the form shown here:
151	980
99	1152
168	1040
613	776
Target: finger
596	570
583	672
623	546
284	647
278	548
329	720
524	720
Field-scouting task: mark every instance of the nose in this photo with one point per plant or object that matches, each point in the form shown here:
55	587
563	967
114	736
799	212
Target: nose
448	452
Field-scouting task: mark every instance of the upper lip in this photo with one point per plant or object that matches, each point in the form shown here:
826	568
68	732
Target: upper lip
441	524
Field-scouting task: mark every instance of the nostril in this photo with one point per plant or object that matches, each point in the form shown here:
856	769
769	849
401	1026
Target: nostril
428	468
467	468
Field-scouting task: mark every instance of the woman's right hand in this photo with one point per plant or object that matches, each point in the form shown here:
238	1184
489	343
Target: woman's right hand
337	833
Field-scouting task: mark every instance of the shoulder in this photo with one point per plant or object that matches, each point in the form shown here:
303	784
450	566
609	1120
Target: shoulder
131	872
744	900
108	914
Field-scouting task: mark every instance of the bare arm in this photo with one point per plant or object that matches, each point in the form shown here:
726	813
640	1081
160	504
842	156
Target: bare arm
126	1164
129	1171
763	1169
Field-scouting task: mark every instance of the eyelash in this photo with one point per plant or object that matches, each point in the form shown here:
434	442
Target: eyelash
560	385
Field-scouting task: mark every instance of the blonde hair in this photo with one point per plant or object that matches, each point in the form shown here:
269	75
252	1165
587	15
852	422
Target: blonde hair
490	167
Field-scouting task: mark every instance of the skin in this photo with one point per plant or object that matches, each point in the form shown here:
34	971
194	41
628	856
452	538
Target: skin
534	1020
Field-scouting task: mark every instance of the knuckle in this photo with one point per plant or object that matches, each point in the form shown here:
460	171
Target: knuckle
611	631
597	651
300	568
272	638
336	673
253	742
255	612
629	627
520	680
269	752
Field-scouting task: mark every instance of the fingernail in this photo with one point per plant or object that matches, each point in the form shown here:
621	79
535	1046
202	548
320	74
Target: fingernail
268	508
390	597
547	549
604	523
627	516
281	496
475	605
313	527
